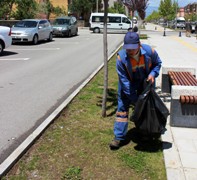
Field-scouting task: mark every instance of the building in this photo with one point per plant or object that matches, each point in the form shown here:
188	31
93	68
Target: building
191	9
55	3
61	3
181	12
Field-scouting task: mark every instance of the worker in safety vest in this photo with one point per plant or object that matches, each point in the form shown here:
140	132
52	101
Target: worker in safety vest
134	63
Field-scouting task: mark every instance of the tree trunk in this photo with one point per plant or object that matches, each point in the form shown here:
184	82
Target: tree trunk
105	53
140	24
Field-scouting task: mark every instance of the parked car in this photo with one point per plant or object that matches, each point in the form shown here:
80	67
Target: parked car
32	30
162	22
5	38
171	24
180	22
116	22
65	26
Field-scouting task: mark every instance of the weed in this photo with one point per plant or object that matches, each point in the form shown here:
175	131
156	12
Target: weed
72	173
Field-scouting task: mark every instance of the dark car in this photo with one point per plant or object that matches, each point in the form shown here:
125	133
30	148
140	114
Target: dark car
65	26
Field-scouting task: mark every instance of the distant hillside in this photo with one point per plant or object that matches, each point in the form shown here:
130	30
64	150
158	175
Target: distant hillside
150	9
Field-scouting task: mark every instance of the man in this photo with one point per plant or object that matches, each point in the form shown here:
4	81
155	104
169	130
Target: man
188	28
135	62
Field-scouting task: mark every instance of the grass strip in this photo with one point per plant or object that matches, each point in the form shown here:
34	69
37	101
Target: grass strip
75	146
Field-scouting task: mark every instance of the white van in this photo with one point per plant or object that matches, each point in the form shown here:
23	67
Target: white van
115	22
180	22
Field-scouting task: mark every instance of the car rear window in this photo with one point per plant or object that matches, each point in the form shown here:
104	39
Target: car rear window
61	21
26	24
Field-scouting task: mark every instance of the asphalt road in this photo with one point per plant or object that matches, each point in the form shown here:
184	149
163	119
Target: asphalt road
35	80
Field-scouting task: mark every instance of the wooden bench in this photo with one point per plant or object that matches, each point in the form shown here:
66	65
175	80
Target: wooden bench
184	79
183	106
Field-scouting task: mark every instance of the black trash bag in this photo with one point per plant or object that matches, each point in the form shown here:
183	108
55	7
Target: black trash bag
150	113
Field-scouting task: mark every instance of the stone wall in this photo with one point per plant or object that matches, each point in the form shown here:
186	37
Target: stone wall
10	23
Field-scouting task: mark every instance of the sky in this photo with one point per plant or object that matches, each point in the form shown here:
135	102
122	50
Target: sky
154	4
182	3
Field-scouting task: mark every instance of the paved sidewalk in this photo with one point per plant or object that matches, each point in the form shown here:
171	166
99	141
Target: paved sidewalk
180	144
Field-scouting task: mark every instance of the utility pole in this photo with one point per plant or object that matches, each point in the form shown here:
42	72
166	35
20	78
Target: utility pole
176	14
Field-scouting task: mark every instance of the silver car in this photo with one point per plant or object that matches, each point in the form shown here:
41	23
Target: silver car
32	30
5	38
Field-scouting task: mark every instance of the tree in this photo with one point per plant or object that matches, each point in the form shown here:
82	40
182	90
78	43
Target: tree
26	9
6	8
167	10
46	8
137	5
59	11
117	8
105	52
153	16
141	6
83	7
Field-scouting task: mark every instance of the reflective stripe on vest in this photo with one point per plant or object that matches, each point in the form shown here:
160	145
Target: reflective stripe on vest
121	119
137	64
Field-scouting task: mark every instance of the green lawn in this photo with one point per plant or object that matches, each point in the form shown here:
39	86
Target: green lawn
75	146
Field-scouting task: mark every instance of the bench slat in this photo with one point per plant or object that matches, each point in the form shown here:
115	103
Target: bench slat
182	78
184	99
191	78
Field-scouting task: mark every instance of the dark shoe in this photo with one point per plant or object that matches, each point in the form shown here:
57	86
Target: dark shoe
115	144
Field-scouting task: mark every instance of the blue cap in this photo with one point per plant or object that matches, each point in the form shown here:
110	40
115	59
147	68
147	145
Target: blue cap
131	40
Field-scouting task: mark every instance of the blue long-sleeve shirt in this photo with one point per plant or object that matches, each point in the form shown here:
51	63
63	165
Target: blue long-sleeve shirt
128	83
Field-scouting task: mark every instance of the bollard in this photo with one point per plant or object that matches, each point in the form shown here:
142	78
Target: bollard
179	33
164	32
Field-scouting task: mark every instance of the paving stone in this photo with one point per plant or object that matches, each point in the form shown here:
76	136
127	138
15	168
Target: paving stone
184	133
186	145
195	143
190	174
189	160
172	159
175	174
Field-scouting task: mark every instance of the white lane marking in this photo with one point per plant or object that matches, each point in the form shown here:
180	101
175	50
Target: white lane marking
40	49
14	59
62	42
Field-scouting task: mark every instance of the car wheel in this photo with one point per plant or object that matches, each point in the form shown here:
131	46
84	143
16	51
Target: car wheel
69	33
96	30
76	32
50	37
1	47
35	39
